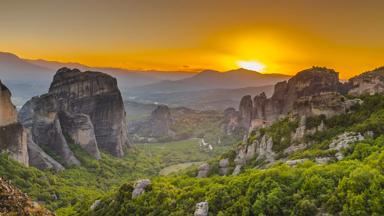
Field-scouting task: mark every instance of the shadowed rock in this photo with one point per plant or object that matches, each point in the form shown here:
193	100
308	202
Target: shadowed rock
13	138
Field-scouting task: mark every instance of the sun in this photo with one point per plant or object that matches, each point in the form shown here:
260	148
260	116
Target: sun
251	65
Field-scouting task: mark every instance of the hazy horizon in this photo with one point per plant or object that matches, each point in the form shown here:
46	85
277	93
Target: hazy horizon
276	37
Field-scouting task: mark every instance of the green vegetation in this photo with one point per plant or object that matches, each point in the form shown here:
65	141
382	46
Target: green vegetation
65	192
353	186
281	132
180	151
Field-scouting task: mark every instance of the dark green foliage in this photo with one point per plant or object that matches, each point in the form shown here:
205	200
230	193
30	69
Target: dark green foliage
281	133
351	187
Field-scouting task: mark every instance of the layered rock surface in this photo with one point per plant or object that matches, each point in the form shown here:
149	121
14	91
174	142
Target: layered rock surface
13	138
81	108
311	92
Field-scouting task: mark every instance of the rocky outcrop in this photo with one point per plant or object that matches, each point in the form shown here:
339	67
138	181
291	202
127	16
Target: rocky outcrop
13	137
160	122
246	111
231	121
80	129
154	128
343	141
224	166
370	82
41	160
81	108
202	209
203	171
311	92
295	162
140	186
8	113
15	202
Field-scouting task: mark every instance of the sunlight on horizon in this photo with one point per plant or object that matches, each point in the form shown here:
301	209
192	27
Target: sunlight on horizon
252	65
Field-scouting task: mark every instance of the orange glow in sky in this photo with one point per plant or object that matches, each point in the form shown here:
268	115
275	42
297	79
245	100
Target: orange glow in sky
284	37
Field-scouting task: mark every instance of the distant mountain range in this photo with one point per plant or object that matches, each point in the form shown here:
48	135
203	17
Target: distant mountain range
207	89
209	79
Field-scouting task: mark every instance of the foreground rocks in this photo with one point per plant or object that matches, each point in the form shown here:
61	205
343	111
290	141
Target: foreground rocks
81	108
202	209
140	186
203	171
14	202
13	137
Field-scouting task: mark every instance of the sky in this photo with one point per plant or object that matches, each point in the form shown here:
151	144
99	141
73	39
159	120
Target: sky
272	36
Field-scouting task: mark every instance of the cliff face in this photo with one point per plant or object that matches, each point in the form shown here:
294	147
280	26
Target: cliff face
156	126
13	138
82	108
160	121
314	91
96	95
370	82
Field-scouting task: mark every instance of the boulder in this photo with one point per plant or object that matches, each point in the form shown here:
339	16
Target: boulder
203	171
139	187
295	162
223	166
95	205
202	209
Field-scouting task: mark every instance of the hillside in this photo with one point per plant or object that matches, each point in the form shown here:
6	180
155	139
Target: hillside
351	186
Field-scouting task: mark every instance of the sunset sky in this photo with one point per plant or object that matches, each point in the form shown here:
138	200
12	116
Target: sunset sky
275	36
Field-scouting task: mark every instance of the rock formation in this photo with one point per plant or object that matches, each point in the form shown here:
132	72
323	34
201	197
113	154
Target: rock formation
160	122
202	209
224	166
80	129
81	108
13	137
140	186
343	141
311	92
203	171
370	82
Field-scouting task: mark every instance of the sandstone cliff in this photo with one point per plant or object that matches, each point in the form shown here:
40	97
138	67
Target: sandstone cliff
13	138
81	108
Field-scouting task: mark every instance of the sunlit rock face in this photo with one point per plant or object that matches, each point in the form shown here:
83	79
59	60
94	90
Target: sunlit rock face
304	88
13	138
370	82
